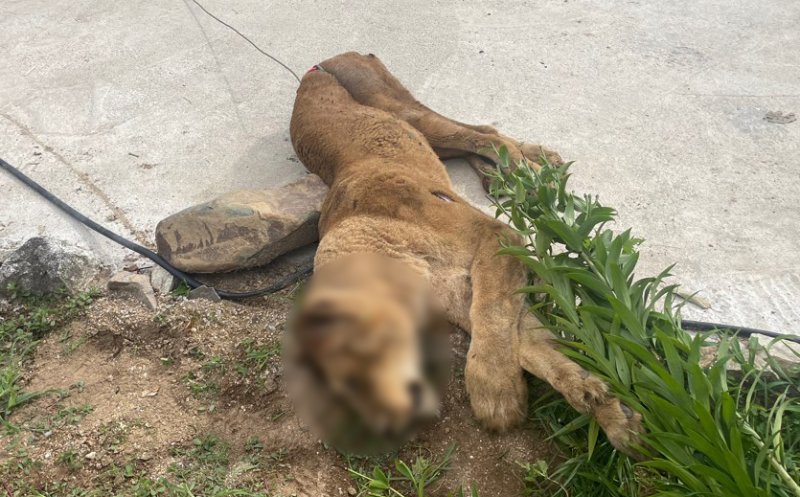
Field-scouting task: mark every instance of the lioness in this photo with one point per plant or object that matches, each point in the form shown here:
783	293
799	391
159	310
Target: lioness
399	245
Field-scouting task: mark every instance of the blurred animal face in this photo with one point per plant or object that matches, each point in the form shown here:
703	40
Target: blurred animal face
363	341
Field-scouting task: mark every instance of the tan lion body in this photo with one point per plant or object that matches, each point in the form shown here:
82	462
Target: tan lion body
379	151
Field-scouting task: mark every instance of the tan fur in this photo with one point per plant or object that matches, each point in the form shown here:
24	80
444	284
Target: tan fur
379	151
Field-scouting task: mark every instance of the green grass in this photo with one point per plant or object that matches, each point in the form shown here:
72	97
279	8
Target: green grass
709	433
537	479
31	319
64	416
72	415
404	480
215	374
70	460
182	290
201	469
201	386
69	344
255	357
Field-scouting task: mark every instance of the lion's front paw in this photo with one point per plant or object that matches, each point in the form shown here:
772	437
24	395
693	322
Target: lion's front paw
621	424
586	391
538	154
499	401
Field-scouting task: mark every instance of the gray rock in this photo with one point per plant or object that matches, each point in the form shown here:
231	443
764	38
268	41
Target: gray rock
137	285
42	266
162	281
204	292
243	229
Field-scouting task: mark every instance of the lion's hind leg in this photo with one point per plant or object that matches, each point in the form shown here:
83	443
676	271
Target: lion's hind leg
371	83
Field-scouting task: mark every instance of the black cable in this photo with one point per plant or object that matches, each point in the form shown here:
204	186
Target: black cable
248	40
736	330
193	283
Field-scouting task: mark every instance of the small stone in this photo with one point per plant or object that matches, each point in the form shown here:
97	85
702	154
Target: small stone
161	281
204	292
145	457
243	229
91	455
778	117
138	285
351	491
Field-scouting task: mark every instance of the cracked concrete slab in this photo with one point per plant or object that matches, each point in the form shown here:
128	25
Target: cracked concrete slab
132	111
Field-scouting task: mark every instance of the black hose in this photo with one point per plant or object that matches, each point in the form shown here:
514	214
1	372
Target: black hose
193	283
737	330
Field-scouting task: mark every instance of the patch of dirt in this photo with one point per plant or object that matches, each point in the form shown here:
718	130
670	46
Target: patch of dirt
133	390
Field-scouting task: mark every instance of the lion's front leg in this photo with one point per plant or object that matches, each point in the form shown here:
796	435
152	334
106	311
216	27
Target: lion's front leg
497	391
585	392
495	384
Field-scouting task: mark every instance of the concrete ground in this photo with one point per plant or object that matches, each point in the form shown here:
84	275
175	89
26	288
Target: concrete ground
133	110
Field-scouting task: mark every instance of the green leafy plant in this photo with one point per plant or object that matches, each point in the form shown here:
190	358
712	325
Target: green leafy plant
71	460
182	290
537	478
202	470
708	432
410	479
255	357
